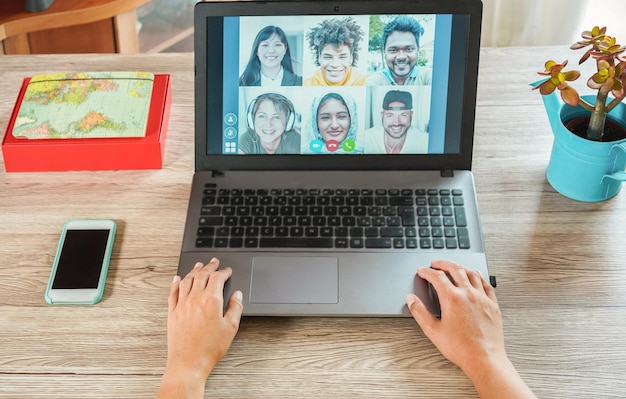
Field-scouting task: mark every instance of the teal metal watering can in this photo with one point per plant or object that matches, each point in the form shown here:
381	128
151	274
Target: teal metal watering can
581	169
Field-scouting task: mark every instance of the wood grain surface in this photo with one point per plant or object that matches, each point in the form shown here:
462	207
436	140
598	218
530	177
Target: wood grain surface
560	266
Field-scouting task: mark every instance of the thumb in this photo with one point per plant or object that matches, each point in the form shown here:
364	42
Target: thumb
234	308
420	313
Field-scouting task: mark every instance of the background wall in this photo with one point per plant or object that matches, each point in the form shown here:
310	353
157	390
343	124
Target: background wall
549	22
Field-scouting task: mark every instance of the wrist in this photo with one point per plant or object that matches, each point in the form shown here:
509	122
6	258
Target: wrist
495	377
182	382
487	366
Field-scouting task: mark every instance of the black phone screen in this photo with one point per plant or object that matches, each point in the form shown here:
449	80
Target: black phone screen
80	261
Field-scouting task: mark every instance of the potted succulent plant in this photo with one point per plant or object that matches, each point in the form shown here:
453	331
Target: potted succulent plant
589	152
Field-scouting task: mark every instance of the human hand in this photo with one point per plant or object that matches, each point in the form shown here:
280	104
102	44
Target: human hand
199	332
470	329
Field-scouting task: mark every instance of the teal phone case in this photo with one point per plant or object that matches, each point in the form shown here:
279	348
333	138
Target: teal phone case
103	273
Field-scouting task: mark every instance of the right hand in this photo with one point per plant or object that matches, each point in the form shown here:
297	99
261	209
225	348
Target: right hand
470	329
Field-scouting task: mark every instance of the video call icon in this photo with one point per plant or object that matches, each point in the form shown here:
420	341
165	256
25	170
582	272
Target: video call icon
230	119
230	147
230	133
318	146
332	145
348	145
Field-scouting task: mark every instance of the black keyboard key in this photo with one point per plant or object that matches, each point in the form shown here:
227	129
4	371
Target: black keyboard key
459	216
311	231
326	231
235	242
205	231
341	243
371	232
378	243
394	221
341	232
398	243
356	243
446	201
463	236
236	231
211	221
451	243
392	232
407	214
399	201
251	242
210	210
300	242
204	242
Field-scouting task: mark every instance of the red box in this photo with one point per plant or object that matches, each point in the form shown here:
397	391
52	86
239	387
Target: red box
24	155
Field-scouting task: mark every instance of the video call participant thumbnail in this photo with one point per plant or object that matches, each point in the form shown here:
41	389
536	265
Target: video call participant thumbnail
270	62
271	119
401	47
333	125
396	135
335	45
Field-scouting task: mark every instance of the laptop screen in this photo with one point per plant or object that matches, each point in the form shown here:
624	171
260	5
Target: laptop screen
350	86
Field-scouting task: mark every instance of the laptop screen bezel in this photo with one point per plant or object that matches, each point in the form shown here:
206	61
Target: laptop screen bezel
205	66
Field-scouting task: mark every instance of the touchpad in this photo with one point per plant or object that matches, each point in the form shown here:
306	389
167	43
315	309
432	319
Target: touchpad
294	279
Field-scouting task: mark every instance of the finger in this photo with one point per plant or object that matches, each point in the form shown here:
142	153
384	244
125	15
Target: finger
172	299
213	264
421	314
438	278
457	273
234	309
489	290
187	282
202	276
218	279
475	279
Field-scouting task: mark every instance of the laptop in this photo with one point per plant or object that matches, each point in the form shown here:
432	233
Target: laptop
333	151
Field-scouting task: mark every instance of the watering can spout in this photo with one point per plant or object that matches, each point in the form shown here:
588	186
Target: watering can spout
552	103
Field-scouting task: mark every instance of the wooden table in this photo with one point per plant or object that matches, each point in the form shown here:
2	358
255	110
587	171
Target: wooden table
560	264
70	26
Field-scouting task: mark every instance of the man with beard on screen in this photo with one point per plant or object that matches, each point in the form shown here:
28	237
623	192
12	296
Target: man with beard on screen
401	47
396	135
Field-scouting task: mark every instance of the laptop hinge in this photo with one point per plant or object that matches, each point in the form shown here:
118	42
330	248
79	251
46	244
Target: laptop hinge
447	173
217	173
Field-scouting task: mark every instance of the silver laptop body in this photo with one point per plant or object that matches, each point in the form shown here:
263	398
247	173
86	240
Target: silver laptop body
277	219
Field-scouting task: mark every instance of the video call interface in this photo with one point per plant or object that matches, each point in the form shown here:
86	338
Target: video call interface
323	85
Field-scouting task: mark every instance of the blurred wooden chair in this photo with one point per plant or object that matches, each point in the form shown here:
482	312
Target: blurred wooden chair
70	26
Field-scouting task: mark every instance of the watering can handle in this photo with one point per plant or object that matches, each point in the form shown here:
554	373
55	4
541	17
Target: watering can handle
619	175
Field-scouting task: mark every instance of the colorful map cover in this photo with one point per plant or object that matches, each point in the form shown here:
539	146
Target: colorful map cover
85	105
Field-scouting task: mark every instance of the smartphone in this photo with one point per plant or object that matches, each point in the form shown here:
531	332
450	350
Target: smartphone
81	262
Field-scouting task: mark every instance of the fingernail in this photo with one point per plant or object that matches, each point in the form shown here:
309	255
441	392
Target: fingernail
213	260
239	296
198	264
175	279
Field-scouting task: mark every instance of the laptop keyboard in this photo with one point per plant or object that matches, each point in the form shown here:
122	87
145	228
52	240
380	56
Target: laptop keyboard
332	218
